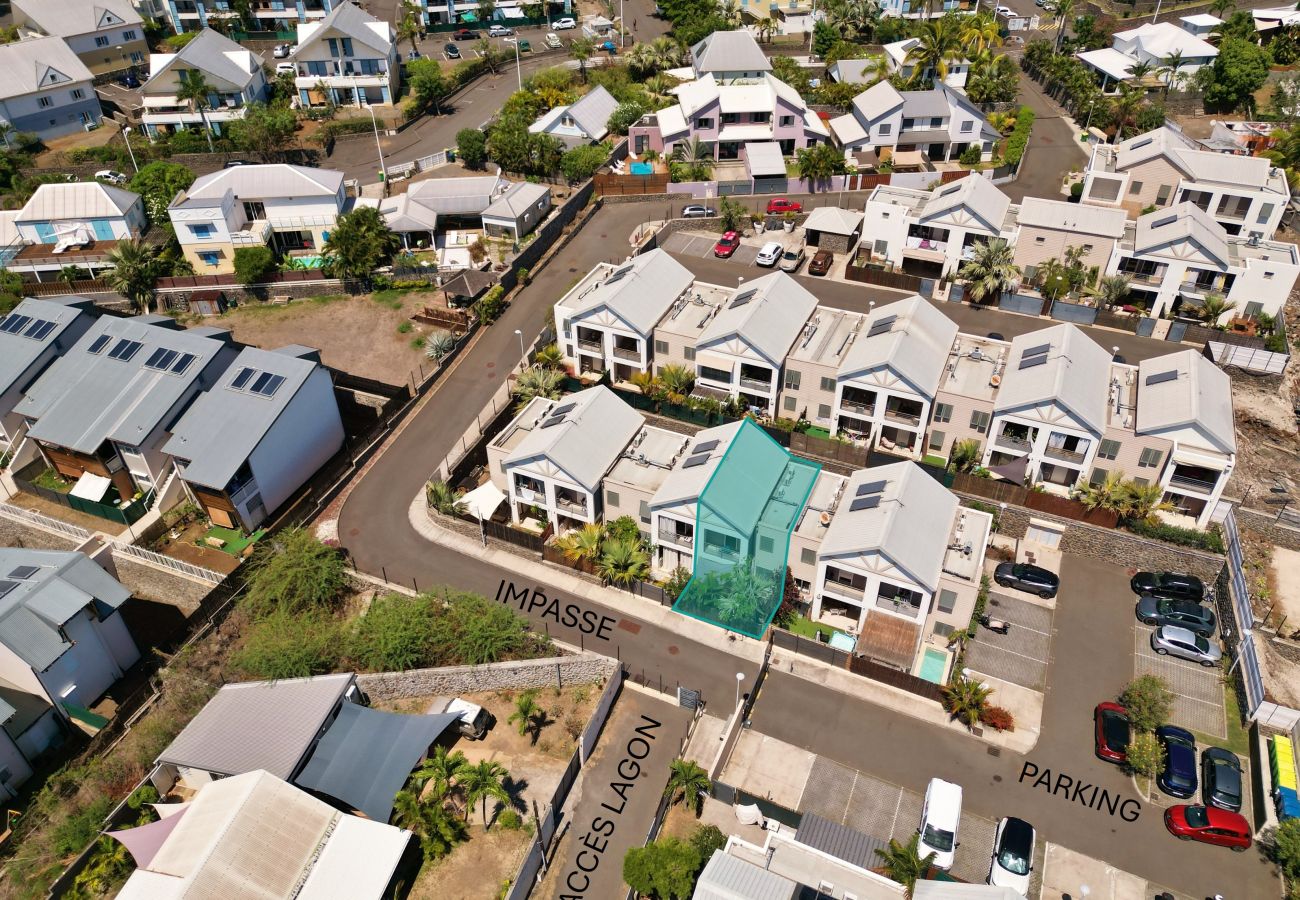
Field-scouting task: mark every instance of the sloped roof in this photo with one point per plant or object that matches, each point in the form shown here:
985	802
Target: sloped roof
212	53
642	295
727	877
851	71
764	158
1078	218
768	321
877	100
913	344
69	18
1178	224
351	20
77	200
588	438
684	485
34	609
909	525
1196	163
592	111
270	180
1076	375
467	196
1200	397
729	51
18	351
833	220
516	200
404	212
977	194
39	63
1160	39
840	841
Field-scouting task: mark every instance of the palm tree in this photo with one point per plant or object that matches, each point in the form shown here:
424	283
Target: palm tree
443	497
677	382
582	544
1221	7
437	829
668	52
658	86
1064	11
196	91
483	781
581	50
528	715
1053	278
965	699
689	783
819	163
1169	68
134	267
1214	307
965	455
903	862
1138	71
990	272
939	42
1143	501
550	356
766	28
696	157
1125	108
537	381
641	60
438	771
1111	494
408	23
1112	290
622	563
5	130
69	274
981	33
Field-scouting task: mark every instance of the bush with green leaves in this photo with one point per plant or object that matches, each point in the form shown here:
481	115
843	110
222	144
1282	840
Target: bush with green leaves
288	645
1018	140
1148	701
395	634
253	265
1284	848
665	869
971	155
581	163
471	147
1144	755
293	572
1210	540
705	839
491	305
472	630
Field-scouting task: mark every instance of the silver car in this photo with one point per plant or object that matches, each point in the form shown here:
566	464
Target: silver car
1185	644
791	260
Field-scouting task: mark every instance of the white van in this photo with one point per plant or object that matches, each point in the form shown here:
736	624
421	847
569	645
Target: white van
939	819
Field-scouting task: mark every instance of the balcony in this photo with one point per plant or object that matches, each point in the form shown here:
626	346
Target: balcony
1195	289
243	492
756	384
1236	214
894	414
1074	457
925	244
1154	278
571	504
668	536
529	495
629	353
254	234
898	607
1187	483
1016	444
595	347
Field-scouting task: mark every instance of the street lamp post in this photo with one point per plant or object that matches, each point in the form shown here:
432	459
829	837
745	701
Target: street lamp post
374	123
740	676
523	354
622	25
519	69
126	133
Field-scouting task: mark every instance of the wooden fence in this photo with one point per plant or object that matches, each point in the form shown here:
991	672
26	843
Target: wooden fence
872	275
858	665
60	288
625	185
1015	495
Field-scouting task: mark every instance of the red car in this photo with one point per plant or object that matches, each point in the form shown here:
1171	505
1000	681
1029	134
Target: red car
727	245
1209	826
1112	732
779	205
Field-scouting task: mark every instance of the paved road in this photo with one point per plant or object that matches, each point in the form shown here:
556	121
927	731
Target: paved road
1054	148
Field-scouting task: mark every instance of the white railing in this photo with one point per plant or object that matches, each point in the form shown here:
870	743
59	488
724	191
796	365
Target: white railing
45	523
149	557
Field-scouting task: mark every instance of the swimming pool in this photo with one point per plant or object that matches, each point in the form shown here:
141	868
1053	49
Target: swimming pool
642	168
934	665
309	262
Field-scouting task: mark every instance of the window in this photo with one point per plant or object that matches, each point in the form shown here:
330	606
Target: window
828	384
947	600
761	117
1139	480
611	498
1108	449
967	127
1135	187
1150	458
78	94
807	557
786	121
334	46
936	122
943	412
704	124
101	41
690	354
202	231
886	129
645	511
1098	476
1265	213
661	346
347	46
128	35
210	257
730	118
765	544
790	403
943	629
979	421
881	248
936	440
1039	239
44	102
792	380
823	411
1162	195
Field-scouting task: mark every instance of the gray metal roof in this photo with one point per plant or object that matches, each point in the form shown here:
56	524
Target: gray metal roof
641	296
1180	224
729	51
727	877
913	344
926	104
1200	398
223	427
1079	218
79	200
588	439
851	71
764	158
267	725
952	890
19	709
35	608
833	220
265	181
875	101
70	18
979	195
39	63
457	196
86	398
1075	376
592	110
769	321
683	485
840	841
366	755
516	200
18	353
215	55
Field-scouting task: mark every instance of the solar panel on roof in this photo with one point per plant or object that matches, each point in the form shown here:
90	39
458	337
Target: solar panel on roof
553	420
14	323
267	384
22	573
1030	361
1036	351
97	345
1162	377
160	359
6	587
880	326
182	363
242	378
743	297
705	447
39	330
865	503
561	410
124	349
694	461
874	487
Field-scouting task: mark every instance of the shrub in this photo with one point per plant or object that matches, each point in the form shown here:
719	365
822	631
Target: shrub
510	820
1019	137
1210	540
1285	847
581	163
1148	701
404	327
1076	190
1144	754
253	264
471	147
491	305
284	645
971	155
80	828
293	573
472	630
998	718
624	528
395	634
705	839
663	869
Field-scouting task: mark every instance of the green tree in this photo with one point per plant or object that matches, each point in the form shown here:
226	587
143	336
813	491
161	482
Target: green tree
195	90
395	634
687	783
1214	307
622	563
428	83
1240	69
581	49
1113	290
267	130
705	839
409	24
677	582
903	862
253	264
733	214
695	157
939	45
663	870
133	273
820	163
437	830
964	699
582	544
471	147
1148	701
510	145
69	274
483	781
536	381
990	271
1064	16
359	243
1143	501
158	183
965	455
528	715
1221	7
1144	755
824	37
1108	494
289	645
1284	849
581	163
436	774
293	572
993	79
443	497
625	116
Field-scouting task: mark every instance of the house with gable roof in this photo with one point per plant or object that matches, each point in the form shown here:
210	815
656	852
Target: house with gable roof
930	233
347	58
47	90
234	74
106	35
929	126
584	121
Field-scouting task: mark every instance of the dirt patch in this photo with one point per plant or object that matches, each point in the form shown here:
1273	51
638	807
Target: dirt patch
65	514
1286	578
184	548
477	869
356	334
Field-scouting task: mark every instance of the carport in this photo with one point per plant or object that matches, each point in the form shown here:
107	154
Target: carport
766	167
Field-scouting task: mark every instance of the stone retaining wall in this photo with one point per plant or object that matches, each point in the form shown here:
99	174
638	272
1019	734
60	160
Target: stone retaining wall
13	534
149	583
1264	525
557	671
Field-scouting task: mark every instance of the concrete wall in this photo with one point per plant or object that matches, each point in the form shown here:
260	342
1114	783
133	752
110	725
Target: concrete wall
583	668
155	584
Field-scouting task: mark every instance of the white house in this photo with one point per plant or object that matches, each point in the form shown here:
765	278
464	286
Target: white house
730	56
897	58
234	74
521	208
584	121
1151	44
47	90
278	15
259	434
1202	25
79	213
287	208
106	35
347	58
34	334
932	233
937	124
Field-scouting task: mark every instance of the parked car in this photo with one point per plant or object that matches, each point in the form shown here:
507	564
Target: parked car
553	41
1183	613
940	817
1112	732
770	253
1024	577
282	51
1006	11
791	260
564	24
821	262
780	205
500	31
464	34
1168	585
474	721
110	176
412	55
452	51
286	67
524	46
1013	855
1221	779
129	80
1174	641
695	211
1177	777
1209	826
232	163
726	245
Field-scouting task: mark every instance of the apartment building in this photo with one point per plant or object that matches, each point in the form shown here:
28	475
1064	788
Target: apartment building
607	320
106	35
263	430
32	336
347	58
1247	195
897	59
933	125
48	90
234	74
737	341
931	233
268	15
106	406
1150	44
290	209
1047	229
1175	257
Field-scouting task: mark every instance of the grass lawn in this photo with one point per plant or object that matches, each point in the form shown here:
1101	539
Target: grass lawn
235	540
805	627
1238	741
51	480
932	460
814	431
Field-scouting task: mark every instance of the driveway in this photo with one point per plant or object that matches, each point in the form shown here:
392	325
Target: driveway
1054	148
1021	655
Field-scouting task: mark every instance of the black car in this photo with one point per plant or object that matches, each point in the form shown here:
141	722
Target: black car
1183	613
1221	779
1024	577
452	51
129	80
1168	585
1178	776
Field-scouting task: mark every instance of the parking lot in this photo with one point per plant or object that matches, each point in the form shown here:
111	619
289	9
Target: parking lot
1198	690
1021	655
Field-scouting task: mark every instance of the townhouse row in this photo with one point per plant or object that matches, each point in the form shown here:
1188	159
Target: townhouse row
886	555
123	406
1050	407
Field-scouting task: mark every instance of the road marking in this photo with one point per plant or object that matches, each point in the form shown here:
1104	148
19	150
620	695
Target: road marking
1013	652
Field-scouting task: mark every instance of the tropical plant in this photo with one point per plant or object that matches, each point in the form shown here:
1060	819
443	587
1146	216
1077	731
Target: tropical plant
677	582
1113	290
581	49
1143	501
438	344
1143	755
69	274
1214	307
766	27
981	33
1125	108
133	273
1109	494
437	830
819	163
443	497
622	563
550	357
536	381
965	455
964	699
662	870
1064	17
993	78
437	773
481	782
990	271
582	544
1170	68
904	863
195	90
528	715
408	23
939	43
696	159
1220	7
677	382
359	243
687	783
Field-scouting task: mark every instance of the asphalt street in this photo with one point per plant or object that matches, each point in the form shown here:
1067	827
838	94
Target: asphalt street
1097	644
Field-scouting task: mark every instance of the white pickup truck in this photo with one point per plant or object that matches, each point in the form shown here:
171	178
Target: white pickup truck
474	720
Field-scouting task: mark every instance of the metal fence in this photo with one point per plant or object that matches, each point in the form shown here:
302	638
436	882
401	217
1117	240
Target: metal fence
1247	657
1021	303
1077	313
43	522
123	515
149	557
1251	359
